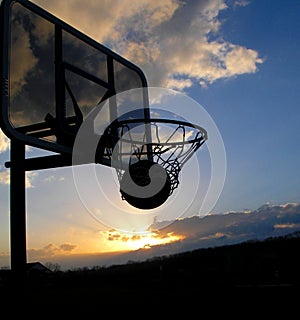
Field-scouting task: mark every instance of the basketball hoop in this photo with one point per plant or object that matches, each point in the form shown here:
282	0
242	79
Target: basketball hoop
149	152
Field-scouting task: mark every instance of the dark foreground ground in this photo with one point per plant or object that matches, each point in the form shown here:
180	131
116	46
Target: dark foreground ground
251	276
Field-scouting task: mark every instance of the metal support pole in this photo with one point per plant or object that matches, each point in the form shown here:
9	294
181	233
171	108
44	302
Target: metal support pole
18	211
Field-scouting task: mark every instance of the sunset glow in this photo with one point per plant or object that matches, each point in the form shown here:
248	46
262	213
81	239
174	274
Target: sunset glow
123	241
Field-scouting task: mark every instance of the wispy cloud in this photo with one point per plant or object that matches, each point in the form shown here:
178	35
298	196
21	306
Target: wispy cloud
176	43
52	178
241	3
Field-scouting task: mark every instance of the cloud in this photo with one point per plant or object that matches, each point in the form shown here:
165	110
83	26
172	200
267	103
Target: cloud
51	250
52	178
114	235
193	233
5	178
29	179
104	20
4	142
176	43
241	3
66	247
212	231
22	52
234	227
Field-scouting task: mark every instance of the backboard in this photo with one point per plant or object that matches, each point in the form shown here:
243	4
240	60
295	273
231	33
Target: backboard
53	76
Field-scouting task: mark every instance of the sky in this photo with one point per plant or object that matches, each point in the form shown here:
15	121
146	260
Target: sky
235	64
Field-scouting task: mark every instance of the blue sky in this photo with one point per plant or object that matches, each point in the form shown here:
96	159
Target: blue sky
258	114
239	60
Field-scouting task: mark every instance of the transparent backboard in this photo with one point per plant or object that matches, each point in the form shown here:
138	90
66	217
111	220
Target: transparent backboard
53	76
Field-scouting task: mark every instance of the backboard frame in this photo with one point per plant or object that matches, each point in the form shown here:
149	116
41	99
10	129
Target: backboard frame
38	129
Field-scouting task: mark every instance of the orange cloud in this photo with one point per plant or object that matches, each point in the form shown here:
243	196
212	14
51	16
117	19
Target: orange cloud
124	241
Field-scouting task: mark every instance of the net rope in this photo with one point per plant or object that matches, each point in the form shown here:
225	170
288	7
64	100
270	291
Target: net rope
171	150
